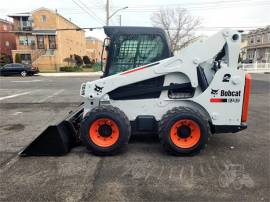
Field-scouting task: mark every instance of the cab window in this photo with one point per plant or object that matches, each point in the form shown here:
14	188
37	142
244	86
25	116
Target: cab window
130	51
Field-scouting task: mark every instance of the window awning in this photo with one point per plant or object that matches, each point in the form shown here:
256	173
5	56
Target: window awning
20	15
44	32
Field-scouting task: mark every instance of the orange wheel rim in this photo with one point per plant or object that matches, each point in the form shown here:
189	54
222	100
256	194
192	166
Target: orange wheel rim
190	138
104	132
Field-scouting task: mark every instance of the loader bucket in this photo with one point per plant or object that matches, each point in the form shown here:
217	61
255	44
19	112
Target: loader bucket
56	140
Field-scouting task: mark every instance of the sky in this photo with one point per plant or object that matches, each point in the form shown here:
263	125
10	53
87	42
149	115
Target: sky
214	14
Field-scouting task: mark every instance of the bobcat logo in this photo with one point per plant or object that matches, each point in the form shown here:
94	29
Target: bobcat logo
98	89
214	92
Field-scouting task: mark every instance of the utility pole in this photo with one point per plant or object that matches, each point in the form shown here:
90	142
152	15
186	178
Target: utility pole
120	20
108	16
107	12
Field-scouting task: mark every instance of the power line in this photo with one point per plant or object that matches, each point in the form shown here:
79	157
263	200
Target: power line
99	5
203	3
91	11
85	10
202	7
198	28
194	8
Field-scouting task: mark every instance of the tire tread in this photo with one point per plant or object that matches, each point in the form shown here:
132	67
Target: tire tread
173	112
117	112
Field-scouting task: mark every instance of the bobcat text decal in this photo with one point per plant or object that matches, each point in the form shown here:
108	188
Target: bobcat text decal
225	96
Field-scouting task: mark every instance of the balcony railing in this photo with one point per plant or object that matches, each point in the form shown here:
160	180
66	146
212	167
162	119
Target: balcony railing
256	67
24	26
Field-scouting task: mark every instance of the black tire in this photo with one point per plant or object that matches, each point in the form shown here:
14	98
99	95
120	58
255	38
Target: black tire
115	115
179	115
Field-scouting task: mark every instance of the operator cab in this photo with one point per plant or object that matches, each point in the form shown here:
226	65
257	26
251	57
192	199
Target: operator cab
131	47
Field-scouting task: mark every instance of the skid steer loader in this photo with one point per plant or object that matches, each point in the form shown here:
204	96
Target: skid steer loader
144	89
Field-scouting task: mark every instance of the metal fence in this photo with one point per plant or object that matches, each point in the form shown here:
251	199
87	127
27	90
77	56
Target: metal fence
256	67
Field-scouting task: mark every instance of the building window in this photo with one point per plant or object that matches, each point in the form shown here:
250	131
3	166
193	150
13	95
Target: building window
5	27
52	42
258	39
23	40
40	42
26	57
250	55
43	18
26	40
31	40
251	40
7	43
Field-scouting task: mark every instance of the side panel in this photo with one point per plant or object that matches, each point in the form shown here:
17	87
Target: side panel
222	100
224	97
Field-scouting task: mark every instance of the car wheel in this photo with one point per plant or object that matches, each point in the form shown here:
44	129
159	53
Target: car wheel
23	73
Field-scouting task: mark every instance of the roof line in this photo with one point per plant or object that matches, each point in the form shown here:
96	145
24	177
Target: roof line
52	11
5	21
55	12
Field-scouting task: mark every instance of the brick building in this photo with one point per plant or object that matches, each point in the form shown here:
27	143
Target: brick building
257	45
94	48
7	40
46	39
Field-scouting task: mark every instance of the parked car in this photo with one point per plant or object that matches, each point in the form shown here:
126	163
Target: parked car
18	69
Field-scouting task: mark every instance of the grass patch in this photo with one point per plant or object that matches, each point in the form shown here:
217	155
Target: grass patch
92	68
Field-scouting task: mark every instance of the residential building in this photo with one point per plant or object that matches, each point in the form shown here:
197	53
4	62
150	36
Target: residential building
94	49
7	40
243	45
258	45
46	39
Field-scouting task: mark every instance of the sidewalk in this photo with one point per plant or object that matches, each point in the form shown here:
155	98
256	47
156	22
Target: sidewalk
71	74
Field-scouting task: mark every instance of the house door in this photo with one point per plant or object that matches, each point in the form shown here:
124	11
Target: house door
26	59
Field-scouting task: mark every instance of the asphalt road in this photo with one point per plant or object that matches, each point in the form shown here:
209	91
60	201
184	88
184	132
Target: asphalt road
234	167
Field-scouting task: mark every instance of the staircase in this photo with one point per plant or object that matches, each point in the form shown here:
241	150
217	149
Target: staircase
36	54
45	60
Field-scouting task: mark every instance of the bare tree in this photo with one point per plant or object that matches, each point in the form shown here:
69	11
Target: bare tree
178	24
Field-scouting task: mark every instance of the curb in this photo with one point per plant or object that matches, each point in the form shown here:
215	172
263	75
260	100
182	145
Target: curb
71	74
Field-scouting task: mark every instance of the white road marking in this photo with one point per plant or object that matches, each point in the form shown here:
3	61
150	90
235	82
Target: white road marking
162	168
181	174
50	96
16	113
30	81
8	165
15	95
